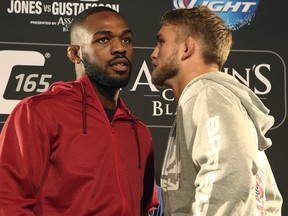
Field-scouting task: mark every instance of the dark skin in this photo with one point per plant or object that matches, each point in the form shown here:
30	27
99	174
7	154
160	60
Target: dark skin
103	36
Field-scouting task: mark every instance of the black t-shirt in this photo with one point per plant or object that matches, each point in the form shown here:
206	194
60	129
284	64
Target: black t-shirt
110	113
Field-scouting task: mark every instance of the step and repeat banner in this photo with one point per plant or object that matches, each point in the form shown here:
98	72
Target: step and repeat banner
35	35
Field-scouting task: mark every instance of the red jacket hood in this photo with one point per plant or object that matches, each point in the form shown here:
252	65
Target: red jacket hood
83	89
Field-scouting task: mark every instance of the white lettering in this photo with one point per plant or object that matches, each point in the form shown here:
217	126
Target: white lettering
213	125
25	7
157	110
164	95
144	69
245	80
74	8
218	6
205	186
263	79
247	6
230	5
64	21
169	185
258	72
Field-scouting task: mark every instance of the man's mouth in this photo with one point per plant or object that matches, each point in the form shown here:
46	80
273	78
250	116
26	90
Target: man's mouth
154	64
120	64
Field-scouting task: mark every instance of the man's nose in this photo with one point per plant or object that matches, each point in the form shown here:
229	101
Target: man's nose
154	54
118	47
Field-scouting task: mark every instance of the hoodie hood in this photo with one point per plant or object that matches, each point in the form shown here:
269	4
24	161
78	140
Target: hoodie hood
255	108
83	91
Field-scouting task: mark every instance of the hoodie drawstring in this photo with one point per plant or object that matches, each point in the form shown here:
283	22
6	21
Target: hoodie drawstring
84	122
133	125
84	109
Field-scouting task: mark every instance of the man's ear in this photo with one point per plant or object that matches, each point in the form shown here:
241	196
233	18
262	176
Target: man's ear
73	53
189	48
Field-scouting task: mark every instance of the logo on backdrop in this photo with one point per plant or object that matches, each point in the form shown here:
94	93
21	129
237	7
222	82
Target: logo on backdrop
235	13
25	72
264	72
10	59
29	70
61	13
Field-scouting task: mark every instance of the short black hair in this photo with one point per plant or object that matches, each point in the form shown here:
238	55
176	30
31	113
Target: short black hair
80	18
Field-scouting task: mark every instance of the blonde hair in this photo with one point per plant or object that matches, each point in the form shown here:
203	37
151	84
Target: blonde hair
205	26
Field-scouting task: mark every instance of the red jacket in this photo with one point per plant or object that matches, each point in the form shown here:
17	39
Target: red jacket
60	155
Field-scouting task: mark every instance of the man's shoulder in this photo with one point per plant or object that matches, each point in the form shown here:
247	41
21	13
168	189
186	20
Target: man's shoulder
58	91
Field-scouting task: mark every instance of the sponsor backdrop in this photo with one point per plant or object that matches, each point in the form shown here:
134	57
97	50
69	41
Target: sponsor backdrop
35	35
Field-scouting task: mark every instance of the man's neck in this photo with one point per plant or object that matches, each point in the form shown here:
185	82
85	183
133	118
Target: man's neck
179	82
107	96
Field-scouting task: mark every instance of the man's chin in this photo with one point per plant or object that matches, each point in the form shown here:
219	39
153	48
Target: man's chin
159	84
118	83
110	82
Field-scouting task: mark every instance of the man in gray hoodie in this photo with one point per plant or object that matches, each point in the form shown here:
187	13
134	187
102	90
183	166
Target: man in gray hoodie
215	162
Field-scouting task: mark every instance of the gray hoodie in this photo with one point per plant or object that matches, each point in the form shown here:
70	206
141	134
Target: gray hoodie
215	162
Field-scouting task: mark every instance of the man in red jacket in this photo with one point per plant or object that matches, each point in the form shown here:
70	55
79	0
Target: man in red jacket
76	150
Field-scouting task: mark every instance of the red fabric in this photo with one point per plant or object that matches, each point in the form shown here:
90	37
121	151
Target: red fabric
49	166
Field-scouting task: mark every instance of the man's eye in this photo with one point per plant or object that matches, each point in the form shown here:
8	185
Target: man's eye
160	42
127	40
103	40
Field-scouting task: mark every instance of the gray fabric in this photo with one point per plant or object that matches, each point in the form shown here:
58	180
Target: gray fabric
215	162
